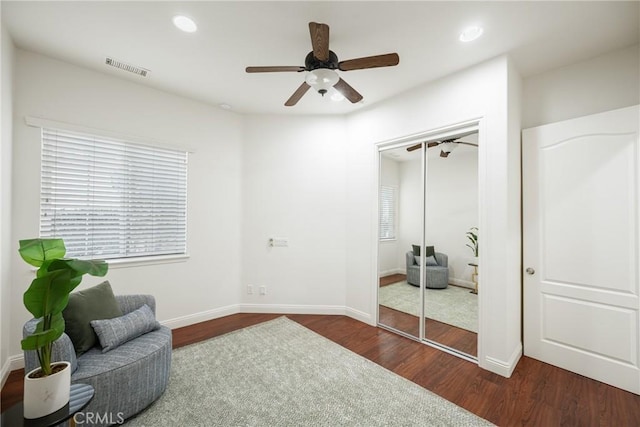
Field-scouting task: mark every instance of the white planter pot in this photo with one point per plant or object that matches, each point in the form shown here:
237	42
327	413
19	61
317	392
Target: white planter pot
44	396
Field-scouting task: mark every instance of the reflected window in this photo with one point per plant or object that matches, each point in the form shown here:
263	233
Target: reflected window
387	213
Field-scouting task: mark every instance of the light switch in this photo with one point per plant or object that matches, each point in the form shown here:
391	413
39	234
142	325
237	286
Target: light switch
279	241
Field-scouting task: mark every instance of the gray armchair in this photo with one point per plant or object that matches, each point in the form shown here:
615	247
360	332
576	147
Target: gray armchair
437	275
126	379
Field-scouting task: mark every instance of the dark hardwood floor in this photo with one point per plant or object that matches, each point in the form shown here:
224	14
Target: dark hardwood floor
537	394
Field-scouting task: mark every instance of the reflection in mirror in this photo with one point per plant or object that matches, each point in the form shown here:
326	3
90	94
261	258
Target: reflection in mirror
451	220
401	196
449	223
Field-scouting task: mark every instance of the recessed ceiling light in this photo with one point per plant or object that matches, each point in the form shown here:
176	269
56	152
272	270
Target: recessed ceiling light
471	34
185	24
225	106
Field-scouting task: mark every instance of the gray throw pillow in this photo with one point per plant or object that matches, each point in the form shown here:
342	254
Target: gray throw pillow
113	333
416	251
84	306
430	261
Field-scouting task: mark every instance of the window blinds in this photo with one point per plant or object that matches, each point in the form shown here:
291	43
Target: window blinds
387	212
112	199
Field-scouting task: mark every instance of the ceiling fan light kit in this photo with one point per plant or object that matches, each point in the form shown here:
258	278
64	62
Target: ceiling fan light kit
322	79
321	65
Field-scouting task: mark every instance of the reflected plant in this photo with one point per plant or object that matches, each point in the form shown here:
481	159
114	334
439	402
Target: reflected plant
472	235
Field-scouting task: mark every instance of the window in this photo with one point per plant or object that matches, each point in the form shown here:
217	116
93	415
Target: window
387	213
110	198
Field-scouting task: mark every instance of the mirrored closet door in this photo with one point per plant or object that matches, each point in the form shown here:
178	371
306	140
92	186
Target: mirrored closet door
400	221
427	253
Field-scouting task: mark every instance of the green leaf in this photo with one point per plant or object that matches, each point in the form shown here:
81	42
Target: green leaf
38	340
94	267
46	294
36	251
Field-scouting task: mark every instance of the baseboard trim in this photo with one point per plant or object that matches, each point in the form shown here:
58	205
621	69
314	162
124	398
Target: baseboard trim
4	373
392	272
13	363
462	283
360	315
203	316
292	309
501	367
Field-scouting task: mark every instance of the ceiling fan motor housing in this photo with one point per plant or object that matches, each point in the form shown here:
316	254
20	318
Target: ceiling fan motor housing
312	63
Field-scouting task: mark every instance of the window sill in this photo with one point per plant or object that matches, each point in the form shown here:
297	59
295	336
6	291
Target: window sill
390	240
142	261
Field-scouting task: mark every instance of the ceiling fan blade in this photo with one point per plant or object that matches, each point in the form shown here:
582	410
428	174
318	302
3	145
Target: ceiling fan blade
443	154
387	60
293	100
274	69
429	145
347	91
465	143
319	40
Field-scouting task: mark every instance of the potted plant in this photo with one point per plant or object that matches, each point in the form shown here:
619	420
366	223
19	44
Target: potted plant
472	235
46	389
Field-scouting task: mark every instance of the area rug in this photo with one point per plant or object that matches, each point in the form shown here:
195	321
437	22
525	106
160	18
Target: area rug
279	373
453	305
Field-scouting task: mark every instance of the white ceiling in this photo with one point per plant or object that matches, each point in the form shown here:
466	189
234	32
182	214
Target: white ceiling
209	65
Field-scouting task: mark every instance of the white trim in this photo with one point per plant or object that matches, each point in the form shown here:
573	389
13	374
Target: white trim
392	271
5	371
438	133
203	316
501	367
360	316
14	363
293	309
52	124
461	282
147	260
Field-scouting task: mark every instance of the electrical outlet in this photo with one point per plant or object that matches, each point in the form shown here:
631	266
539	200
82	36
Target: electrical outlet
263	290
249	289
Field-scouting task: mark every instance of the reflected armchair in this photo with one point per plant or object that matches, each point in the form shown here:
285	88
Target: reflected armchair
437	275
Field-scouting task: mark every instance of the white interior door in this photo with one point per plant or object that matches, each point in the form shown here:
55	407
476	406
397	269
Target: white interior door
581	245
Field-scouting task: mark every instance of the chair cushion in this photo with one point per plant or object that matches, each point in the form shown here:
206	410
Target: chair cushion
114	332
84	306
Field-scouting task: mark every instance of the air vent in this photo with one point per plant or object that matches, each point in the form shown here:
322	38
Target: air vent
126	67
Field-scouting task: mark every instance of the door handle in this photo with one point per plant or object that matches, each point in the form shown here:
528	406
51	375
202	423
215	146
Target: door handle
530	271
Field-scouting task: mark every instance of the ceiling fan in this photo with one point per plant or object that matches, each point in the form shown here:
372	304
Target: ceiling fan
446	145
321	64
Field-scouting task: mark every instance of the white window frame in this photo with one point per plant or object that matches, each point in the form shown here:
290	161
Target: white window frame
174	252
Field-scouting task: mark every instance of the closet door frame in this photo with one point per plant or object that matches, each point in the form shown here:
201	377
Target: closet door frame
473	125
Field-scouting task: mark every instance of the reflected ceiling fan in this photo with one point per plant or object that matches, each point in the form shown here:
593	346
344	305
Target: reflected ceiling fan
321	64
446	145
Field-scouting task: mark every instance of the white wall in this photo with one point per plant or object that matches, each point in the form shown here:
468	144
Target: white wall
294	187
208	283
607	82
6	242
479	92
